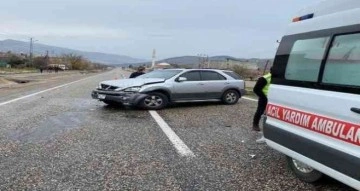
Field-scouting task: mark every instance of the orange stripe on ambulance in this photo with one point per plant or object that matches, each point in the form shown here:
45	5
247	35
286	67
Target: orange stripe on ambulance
337	129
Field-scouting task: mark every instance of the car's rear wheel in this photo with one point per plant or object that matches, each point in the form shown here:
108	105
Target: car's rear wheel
303	171
230	97
154	100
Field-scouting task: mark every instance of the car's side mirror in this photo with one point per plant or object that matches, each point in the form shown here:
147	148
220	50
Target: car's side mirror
181	79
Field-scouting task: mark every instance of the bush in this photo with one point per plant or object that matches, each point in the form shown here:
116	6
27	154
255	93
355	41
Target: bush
40	62
16	61
245	72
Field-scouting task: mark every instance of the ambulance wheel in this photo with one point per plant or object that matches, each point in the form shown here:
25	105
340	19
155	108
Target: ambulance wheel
303	171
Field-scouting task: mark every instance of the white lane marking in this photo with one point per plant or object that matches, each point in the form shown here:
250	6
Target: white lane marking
251	99
180	146
43	91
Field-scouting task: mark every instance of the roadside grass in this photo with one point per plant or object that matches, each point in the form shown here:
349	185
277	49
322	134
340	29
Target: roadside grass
250	93
17	70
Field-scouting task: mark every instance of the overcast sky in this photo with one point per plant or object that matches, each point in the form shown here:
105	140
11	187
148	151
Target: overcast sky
240	28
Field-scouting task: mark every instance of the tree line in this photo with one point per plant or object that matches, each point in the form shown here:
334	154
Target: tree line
71	61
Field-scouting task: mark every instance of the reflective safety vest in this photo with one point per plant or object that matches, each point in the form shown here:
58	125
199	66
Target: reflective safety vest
268	80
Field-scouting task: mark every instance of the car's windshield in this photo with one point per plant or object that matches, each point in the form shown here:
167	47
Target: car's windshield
166	74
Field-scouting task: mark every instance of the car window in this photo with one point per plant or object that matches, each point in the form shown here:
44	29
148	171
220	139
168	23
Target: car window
305	59
211	76
166	74
233	75
343	63
192	76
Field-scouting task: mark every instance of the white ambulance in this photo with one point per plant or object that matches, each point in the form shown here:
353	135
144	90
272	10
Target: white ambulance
313	112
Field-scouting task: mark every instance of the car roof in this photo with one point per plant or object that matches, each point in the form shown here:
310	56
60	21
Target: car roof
197	69
201	69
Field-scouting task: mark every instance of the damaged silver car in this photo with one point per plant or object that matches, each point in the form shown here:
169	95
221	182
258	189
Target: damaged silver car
157	89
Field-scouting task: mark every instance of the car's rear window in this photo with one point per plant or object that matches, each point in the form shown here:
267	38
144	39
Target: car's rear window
233	75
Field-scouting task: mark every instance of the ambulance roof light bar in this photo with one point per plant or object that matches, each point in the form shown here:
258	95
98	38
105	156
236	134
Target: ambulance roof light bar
305	17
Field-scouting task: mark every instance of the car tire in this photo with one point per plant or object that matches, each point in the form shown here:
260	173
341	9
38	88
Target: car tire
154	101
303	171
230	97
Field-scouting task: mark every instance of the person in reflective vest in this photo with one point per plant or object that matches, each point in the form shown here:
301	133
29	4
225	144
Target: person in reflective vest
261	89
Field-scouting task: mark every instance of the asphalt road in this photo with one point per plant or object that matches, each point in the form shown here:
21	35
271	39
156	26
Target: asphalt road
63	140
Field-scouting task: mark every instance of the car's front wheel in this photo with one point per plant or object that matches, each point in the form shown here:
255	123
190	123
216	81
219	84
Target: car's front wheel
230	97
154	101
303	171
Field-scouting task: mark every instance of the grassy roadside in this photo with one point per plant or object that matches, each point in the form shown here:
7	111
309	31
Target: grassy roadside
10	71
17	70
250	93
249	85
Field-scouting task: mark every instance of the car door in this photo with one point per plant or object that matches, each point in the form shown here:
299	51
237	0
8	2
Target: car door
213	84
190	89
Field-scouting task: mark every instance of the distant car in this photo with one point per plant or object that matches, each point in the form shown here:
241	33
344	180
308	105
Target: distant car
156	89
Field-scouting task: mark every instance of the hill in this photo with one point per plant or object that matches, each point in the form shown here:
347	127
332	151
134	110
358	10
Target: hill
40	49
193	61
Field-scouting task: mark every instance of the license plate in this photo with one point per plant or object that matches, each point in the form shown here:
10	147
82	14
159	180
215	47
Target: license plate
101	96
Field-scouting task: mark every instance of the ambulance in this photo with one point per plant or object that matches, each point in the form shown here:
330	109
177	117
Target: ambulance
313	111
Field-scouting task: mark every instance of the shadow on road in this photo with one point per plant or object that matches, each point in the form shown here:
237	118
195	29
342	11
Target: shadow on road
195	104
330	182
171	106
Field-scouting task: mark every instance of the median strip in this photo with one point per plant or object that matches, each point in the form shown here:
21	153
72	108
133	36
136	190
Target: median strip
180	146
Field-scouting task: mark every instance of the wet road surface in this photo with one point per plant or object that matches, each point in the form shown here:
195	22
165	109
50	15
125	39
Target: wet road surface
64	140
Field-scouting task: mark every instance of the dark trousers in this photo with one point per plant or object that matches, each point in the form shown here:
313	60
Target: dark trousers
260	110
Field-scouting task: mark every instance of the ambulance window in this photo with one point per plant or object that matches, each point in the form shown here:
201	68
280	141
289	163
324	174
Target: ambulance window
343	63
305	59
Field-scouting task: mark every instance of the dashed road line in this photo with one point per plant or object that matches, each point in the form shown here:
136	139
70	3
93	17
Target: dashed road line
180	146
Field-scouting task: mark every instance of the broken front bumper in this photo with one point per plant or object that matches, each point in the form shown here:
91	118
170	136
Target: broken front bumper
125	98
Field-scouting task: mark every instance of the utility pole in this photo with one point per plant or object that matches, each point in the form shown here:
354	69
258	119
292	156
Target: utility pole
199	64
153	59
203	60
208	61
266	65
31	52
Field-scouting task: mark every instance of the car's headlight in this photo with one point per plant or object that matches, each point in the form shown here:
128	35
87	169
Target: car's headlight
99	86
133	89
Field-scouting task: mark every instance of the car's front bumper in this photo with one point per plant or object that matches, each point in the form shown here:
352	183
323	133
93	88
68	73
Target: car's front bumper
125	98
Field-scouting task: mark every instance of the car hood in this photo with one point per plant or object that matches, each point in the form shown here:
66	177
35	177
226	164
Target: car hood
126	83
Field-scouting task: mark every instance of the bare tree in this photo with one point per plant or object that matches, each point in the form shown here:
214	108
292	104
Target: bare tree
40	62
76	62
245	72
